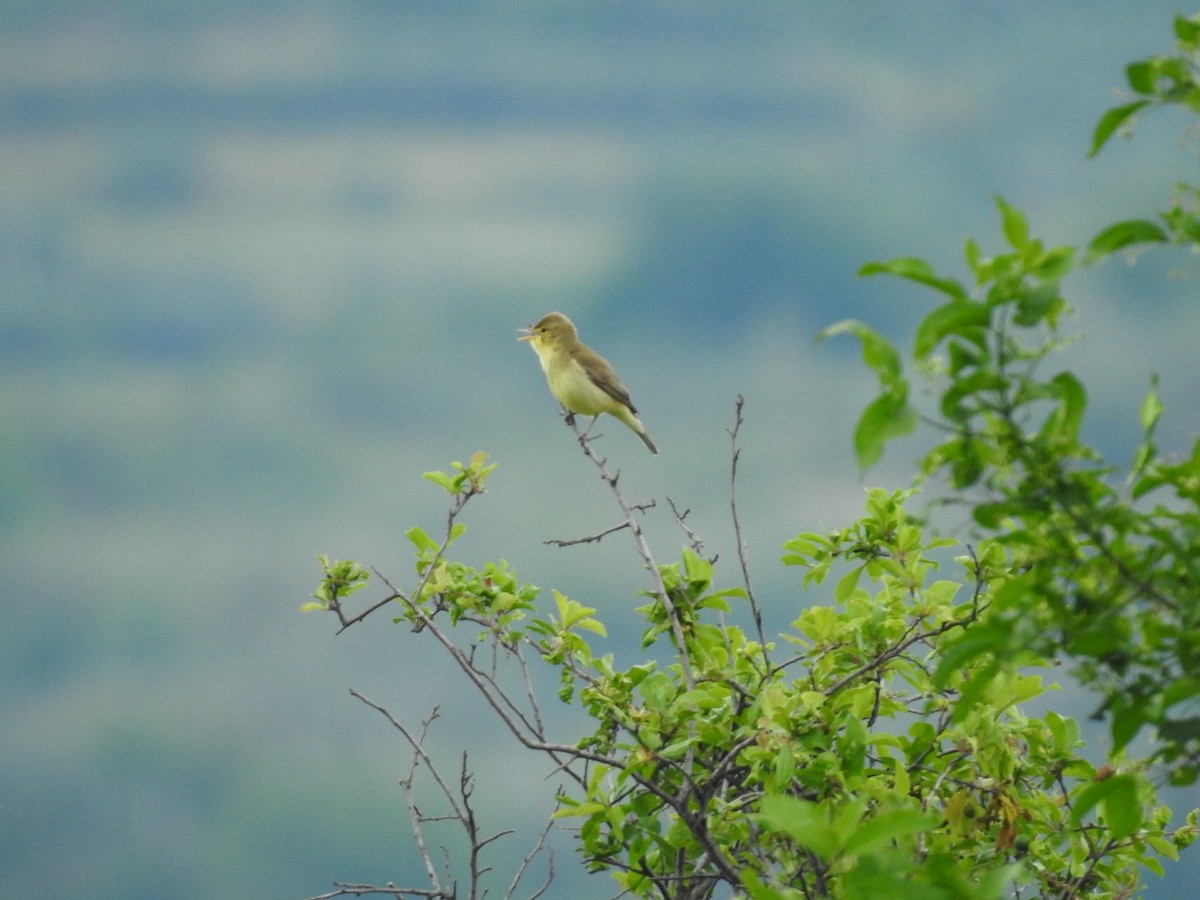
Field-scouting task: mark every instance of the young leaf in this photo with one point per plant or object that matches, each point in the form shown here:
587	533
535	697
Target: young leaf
1119	797
878	353
847	584
956	317
1187	31
1142	76
1122	234
803	821
1016	229
885	418
889	826
917	270
1064	422
422	541
448	483
1111	121
1152	408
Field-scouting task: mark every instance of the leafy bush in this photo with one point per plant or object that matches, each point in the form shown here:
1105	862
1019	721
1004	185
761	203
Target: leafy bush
877	746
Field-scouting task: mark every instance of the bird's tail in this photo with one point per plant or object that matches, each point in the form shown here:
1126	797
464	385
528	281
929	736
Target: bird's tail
649	443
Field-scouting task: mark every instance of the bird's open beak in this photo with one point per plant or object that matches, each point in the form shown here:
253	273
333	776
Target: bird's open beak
526	337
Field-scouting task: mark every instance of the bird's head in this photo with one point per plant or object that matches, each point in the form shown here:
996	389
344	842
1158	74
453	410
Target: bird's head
551	330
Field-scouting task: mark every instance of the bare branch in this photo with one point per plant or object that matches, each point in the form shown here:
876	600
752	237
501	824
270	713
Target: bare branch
502	706
591	538
539	847
417	746
737	525
354	620
350	889
693	538
639	538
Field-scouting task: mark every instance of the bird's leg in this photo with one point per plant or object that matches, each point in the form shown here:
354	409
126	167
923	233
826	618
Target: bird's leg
591	425
569	417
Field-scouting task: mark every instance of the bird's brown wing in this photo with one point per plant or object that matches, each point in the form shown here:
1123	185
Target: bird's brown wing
603	376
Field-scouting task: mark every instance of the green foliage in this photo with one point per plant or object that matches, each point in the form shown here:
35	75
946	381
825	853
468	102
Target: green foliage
341	579
1103	561
889	415
470	478
879	747
859	762
1158	81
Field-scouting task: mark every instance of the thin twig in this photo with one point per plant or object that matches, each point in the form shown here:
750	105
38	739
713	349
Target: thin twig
737	525
693	538
346	623
422	617
591	538
639	538
529	857
502	705
417	745
351	889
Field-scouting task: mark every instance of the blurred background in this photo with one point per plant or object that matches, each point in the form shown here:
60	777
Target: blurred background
262	265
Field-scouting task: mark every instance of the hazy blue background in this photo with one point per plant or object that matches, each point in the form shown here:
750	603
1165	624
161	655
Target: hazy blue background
262	265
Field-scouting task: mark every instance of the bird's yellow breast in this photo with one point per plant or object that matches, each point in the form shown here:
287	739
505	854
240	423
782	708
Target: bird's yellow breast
575	390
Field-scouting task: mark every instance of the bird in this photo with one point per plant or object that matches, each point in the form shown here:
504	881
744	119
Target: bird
579	377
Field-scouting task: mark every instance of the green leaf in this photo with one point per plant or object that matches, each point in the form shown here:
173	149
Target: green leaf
988	639
1122	234
957	317
572	613
1142	76
450	483
803	821
1127	721
697	569
972	692
1053	264
1111	121
885	418
420	540
1182	731
997	882
1118	796
1187	31
878	353
1042	303
846	584
1152	408
886	827
1064	422
941	593
1016	229
917	270
978	383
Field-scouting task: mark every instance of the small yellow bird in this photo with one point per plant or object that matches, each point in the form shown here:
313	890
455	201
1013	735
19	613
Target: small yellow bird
579	377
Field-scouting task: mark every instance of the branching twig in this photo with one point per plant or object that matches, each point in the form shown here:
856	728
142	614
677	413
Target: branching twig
460	501
350	889
693	538
591	538
529	857
501	704
639	538
461	812
417	746
737	525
